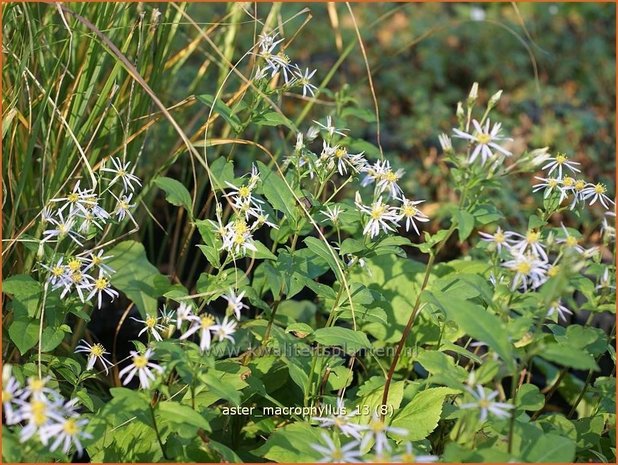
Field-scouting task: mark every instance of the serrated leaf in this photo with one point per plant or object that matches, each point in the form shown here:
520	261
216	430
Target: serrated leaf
420	416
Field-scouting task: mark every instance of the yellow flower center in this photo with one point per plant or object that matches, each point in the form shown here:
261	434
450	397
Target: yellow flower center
57	271
484	138
39	412
207	321
568	181
6	396
580	184
70	427
73	197
390	176
523	268
151	322
36	384
499	237
337	455
561	158
532	237
552	183
140	361
571	241
410	210
241	227
244	192
97	350
484	403
377	212
376	426
600	189
408	458
96	260
553	271
101	283
283	57
341	152
74	264
76	277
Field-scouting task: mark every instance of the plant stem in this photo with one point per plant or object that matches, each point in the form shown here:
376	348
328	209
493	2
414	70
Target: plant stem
412	318
156	429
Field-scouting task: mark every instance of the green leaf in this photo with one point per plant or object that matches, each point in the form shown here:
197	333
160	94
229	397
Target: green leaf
568	356
24	332
222	171
223	390
176	413
277	192
351	341
25	292
465	224
292	444
420	416
223	110
476	321
175	192
361	113
324	252
136	276
529	397
273	118
550	448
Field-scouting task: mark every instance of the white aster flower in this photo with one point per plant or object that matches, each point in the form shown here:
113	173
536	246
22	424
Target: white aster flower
485	140
63	228
78	200
569	241
530	271
234	303
143	367
596	192
56	272
237	237
95	352
332	453
547	184
333	213
330	128
38	413
204	324
559	161
557	308
96	260
606	281
410	457
380	215
500	238
123	207
184	312
303	79
122	172
79	281
68	432
530	242
11	392
484	402
152	326
342	420
100	286
376	430
224	329
411	213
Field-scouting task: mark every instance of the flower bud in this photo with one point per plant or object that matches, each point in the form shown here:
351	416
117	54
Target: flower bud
494	99
474	93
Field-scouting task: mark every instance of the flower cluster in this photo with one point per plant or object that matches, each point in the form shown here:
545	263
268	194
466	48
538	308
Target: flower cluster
79	217
561	182
42	412
279	62
363	437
